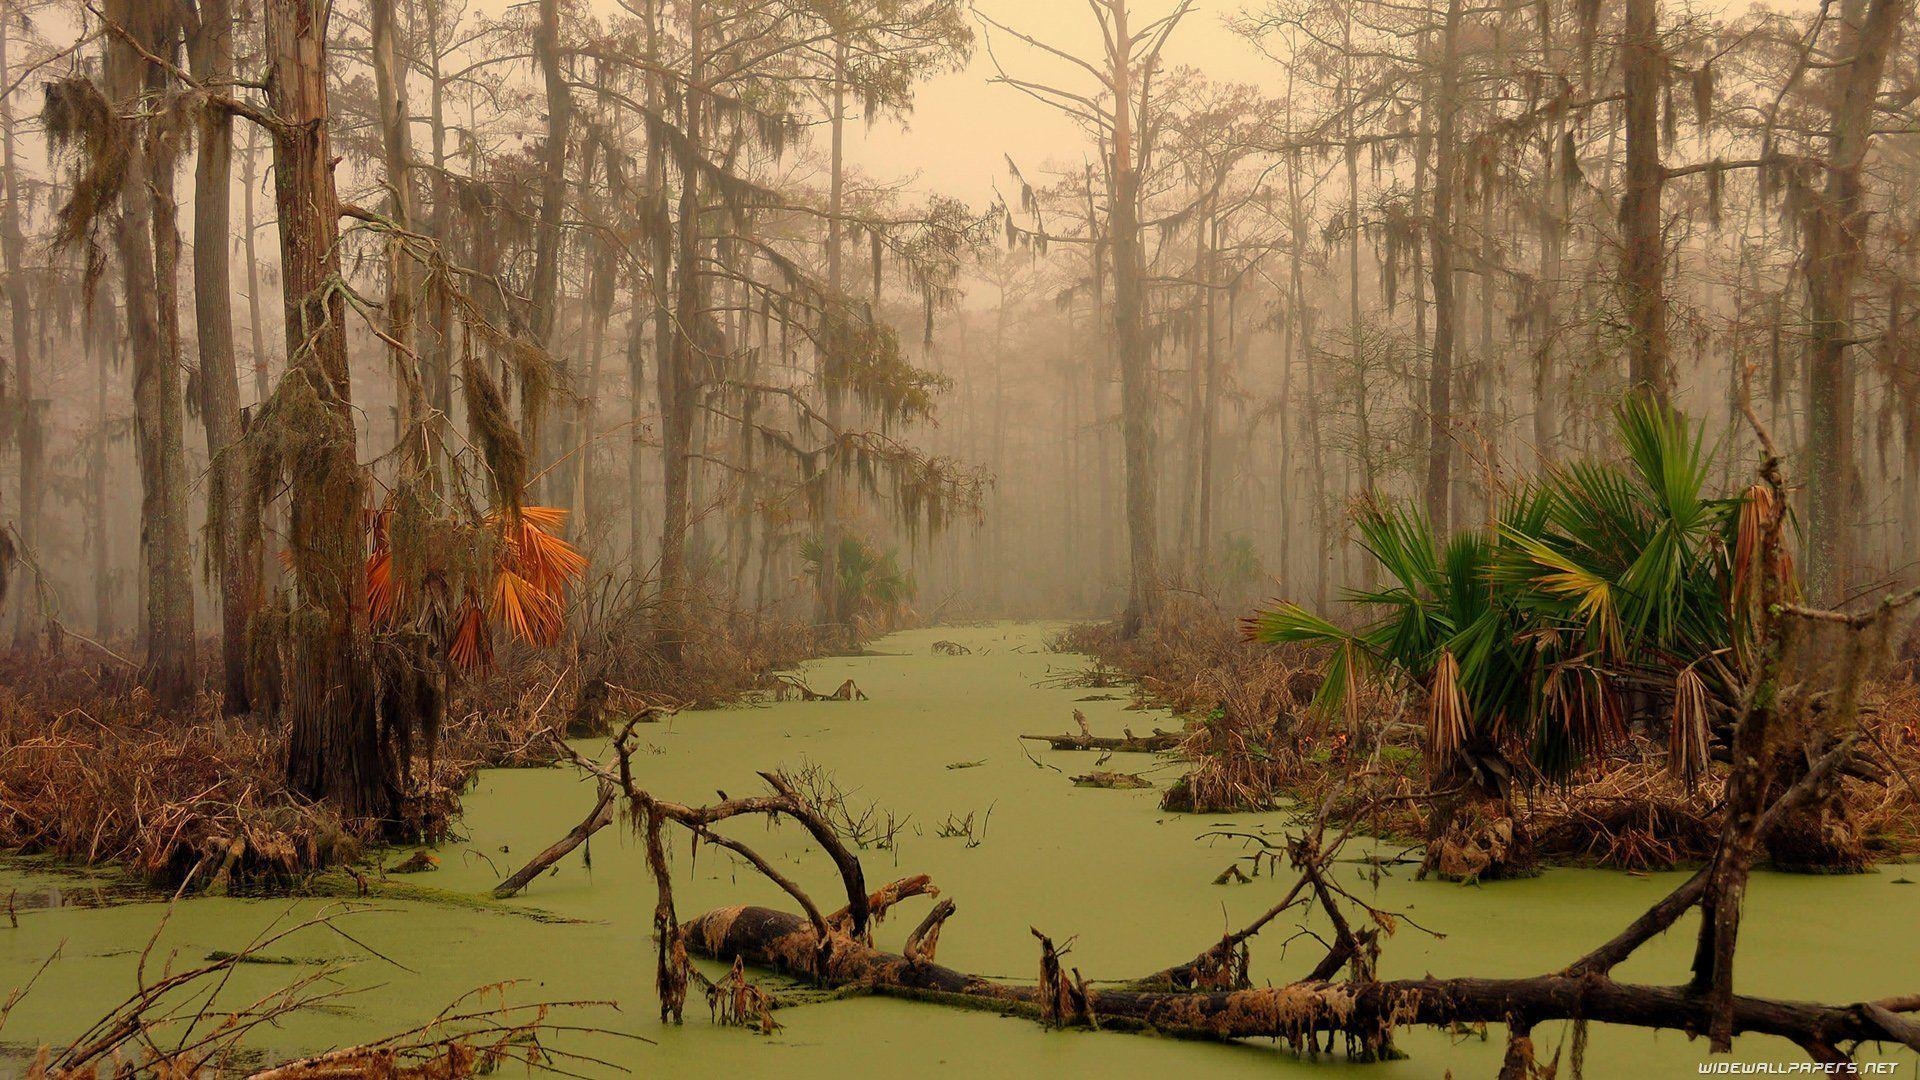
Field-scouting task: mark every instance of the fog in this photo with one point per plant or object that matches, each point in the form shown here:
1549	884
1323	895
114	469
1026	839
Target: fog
1375	255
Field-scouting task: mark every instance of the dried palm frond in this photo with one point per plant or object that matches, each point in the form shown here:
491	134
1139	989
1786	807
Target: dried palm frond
1581	715
472	647
525	610
1687	728
1446	714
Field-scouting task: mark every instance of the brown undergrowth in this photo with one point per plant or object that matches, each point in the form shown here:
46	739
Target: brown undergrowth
1253	741
94	771
624	664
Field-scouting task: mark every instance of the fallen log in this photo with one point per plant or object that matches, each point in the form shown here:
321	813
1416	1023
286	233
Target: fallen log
598	818
1128	743
1123	781
1364	1011
792	686
1087	740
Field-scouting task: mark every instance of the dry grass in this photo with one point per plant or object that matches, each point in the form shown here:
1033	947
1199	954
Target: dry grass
623	663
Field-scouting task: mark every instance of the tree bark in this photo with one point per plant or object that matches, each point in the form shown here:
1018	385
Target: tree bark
1130	333
1210	401
659	253
437	328
336	751
27	416
396	148
234	534
103	336
1364	1010
598	818
676	377
1439	494
148	246
831	609
1643	263
1834	230
547	246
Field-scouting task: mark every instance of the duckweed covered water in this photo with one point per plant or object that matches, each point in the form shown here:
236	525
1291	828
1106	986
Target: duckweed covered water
1130	885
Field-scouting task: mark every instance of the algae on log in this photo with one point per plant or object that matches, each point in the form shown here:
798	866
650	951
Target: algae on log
1127	743
1087	740
1361	1010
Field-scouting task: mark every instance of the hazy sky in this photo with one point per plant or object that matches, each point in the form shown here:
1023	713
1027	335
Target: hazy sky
962	129
963	126
956	138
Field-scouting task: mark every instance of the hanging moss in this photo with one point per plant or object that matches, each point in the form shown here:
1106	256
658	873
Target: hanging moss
492	430
80	122
863	358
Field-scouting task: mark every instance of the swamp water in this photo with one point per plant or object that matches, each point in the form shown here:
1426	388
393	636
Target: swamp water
1130	885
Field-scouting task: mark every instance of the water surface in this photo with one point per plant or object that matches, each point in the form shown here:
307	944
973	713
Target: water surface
1130	885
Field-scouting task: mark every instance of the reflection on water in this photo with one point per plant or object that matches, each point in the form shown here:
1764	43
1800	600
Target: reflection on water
1132	885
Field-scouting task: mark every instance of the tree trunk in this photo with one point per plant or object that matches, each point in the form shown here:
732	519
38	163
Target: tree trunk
437	330
1555	183
1834	230
336	750
832	613
1210	404
103	335
1643	263
1439	494
659	253
234	534
1130	332
249	250
1188	558
396	146
1364	1010
676	377
547	245
27	415
145	227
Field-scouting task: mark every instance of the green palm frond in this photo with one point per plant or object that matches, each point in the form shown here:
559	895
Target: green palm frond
1590	598
1597	575
1669	456
1287	623
1401	539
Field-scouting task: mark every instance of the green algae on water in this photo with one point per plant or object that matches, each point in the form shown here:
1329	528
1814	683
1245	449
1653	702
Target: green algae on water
1133	887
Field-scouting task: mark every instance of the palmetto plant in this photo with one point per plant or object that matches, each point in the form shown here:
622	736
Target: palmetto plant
1605	592
872	585
462	582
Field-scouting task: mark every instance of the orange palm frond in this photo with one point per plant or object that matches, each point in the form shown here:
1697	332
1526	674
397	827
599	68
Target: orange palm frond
547	560
530	614
383	592
550	518
472	646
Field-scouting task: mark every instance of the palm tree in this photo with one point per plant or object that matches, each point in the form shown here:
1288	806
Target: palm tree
873	589
460	582
1606	593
